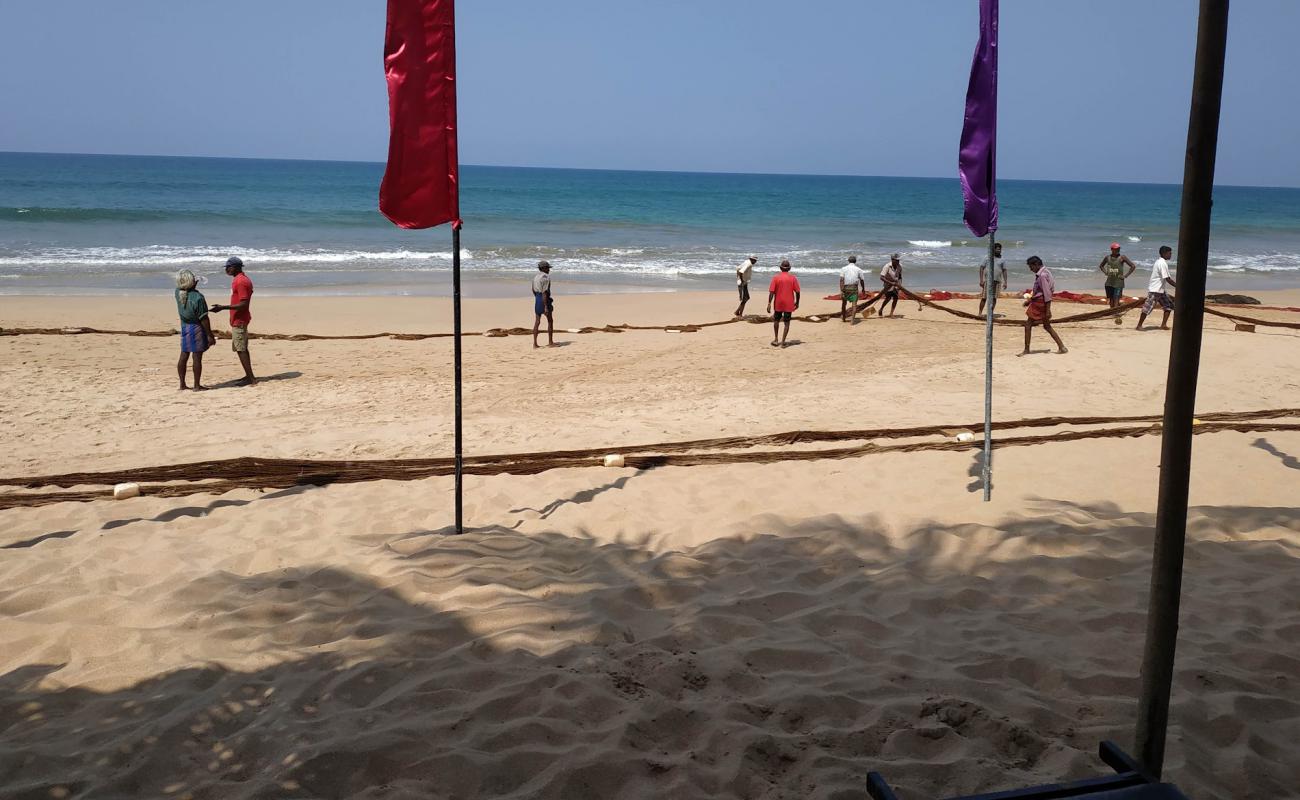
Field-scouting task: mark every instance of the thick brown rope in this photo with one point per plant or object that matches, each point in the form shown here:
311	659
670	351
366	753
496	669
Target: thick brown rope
410	337
254	473
682	328
243	467
1091	315
1251	320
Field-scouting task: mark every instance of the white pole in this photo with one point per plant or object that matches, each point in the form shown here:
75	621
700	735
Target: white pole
989	296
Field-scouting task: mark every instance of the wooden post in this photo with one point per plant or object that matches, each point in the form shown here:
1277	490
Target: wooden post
1180	386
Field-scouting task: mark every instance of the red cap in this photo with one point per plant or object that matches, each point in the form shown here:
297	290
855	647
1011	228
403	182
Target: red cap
1114	245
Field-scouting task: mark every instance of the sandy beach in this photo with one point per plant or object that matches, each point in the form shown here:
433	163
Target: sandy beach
733	630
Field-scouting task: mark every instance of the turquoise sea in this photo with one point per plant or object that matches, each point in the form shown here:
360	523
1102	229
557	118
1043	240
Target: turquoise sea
123	224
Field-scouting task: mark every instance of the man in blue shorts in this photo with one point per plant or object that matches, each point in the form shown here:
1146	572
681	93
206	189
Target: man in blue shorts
1112	266
542	303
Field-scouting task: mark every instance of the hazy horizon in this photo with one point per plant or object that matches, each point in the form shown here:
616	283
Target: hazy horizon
952	177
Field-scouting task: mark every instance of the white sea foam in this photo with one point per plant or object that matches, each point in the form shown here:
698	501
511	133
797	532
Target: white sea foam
1134	238
163	255
1265	262
929	243
650	265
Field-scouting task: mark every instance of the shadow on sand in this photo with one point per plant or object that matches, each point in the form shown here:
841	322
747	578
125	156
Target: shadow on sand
235	384
957	658
1287	459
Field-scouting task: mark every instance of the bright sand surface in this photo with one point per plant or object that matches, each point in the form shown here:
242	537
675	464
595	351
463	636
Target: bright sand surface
737	630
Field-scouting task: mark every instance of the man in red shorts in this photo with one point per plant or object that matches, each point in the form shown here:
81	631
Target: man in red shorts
1038	307
241	297
783	292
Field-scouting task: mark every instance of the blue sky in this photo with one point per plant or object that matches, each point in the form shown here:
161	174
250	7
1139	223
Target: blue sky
1093	90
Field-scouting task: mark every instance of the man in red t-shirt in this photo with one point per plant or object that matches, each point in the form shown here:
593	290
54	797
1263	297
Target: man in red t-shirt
241	297
784	291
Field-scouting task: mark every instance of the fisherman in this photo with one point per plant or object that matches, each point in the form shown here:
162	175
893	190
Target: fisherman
1038	306
241	297
1000	265
743	273
543	305
1112	266
891	278
852	284
1157	289
196	329
783	291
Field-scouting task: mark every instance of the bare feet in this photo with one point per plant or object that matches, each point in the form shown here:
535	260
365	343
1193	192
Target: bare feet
246	381
183	387
1062	351
198	387
775	343
1022	353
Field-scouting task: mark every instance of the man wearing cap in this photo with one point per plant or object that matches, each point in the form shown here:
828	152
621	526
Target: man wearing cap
543	305
1112	266
784	292
891	277
241	297
851	286
743	273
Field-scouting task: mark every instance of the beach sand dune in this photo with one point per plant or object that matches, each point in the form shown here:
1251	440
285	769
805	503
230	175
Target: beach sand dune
742	630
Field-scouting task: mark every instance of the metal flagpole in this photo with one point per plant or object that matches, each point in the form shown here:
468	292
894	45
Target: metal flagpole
455	326
989	296
1180	386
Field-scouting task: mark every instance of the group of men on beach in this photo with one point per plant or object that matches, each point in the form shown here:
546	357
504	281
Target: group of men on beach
1112	266
1038	303
783	291
783	296
196	329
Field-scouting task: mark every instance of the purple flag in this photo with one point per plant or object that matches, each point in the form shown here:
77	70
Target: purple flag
979	134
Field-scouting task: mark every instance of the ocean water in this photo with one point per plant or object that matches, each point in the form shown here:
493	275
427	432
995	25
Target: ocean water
124	224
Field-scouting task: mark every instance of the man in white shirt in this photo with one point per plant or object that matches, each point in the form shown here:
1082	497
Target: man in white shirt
999	265
743	273
542	303
851	286
891	277
1157	289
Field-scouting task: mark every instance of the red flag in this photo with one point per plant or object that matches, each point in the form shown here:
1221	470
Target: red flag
421	184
